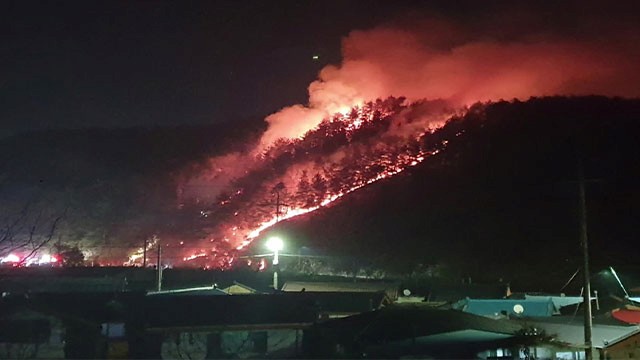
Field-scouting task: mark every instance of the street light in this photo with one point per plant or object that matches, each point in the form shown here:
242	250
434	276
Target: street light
275	244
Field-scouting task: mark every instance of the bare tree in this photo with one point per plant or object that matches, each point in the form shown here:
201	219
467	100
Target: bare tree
27	222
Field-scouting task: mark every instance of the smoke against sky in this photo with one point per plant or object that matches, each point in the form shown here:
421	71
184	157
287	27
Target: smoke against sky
465	63
168	63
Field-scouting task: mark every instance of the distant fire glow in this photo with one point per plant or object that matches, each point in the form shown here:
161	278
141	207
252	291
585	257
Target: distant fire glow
11	258
43	259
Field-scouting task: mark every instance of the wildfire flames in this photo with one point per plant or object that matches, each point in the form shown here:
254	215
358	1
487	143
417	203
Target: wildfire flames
293	177
344	139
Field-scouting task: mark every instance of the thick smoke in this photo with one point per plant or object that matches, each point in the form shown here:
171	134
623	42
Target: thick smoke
464	65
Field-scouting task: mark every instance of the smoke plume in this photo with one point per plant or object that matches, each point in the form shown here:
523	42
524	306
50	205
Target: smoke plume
464	64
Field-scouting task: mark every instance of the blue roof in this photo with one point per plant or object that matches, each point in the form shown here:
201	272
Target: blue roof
513	307
558	301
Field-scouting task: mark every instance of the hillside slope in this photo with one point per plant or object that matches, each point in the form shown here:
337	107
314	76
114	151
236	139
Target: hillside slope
501	198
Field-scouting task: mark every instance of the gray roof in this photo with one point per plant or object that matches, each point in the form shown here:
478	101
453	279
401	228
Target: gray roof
417	320
282	309
202	291
458	337
390	288
570	331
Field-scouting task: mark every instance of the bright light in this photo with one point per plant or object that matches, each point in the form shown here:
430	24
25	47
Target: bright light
275	244
11	258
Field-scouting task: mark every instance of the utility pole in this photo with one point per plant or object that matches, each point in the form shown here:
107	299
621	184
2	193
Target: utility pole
586	294
159	265
144	253
279	187
277	206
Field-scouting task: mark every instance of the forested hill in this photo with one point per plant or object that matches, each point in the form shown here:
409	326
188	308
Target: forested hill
500	200
498	197
111	186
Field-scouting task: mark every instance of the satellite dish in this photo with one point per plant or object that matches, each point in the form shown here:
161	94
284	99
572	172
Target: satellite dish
406	292
518	309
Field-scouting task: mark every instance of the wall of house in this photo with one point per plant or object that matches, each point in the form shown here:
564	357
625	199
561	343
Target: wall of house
184	345
27	342
31	351
626	349
518	353
284	342
236	344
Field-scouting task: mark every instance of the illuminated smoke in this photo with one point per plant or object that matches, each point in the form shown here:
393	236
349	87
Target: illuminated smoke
345	152
214	180
448	61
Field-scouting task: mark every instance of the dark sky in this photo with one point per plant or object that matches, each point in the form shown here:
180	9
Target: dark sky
122	63
128	63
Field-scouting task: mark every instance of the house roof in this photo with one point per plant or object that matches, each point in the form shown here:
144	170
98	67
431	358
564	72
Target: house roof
512	307
626	316
345	302
233	288
410	321
198	308
199	291
558	301
283	309
390	288
451	292
225	311
94	307
570	331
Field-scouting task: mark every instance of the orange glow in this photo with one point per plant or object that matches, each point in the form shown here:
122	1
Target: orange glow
389	163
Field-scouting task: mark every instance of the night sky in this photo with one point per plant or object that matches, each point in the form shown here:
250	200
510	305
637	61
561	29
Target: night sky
131	63
122	63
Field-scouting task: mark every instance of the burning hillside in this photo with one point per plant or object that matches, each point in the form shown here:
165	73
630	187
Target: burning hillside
251	192
344	138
